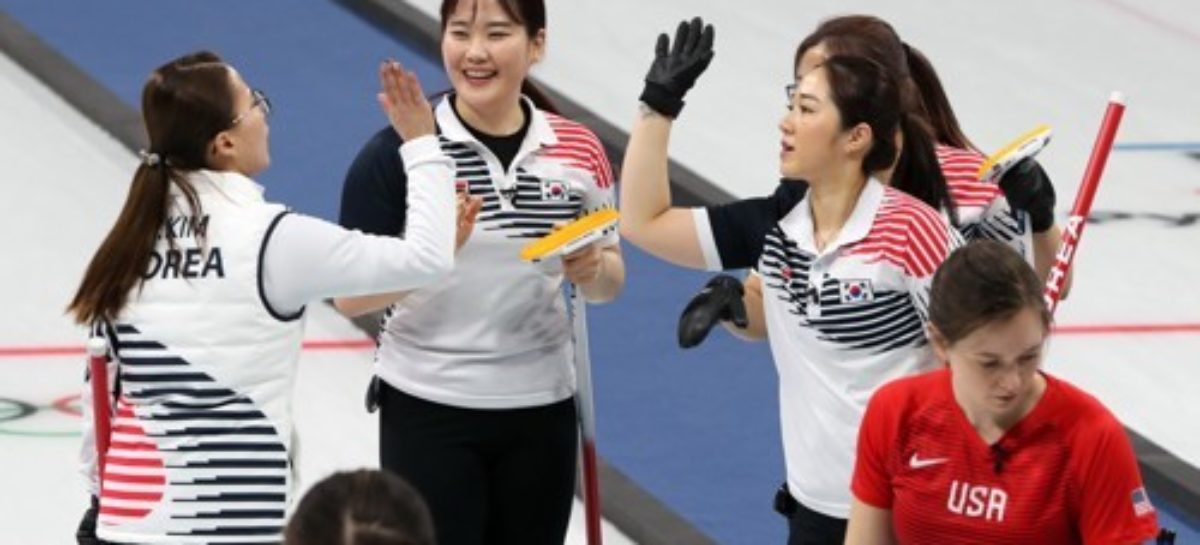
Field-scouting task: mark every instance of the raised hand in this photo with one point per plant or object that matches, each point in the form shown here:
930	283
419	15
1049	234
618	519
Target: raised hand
404	102
677	66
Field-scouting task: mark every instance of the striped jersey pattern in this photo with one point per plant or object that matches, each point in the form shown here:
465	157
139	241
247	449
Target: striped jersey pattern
983	212
579	147
201	458
888	322
537	204
529	217
906	235
961	169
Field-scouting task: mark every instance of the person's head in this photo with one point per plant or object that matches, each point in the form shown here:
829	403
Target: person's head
989	323
364	507
488	48
874	38
198	114
916	170
842	115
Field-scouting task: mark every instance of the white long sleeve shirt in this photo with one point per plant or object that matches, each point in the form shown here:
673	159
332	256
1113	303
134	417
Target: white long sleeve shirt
207	347
309	259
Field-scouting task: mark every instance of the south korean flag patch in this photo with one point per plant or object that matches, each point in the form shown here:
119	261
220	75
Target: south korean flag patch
555	190
856	291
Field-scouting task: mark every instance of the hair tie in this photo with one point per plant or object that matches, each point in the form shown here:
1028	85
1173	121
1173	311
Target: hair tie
149	158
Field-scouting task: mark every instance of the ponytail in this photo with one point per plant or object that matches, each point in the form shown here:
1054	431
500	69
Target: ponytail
942	120
121	260
917	170
185	104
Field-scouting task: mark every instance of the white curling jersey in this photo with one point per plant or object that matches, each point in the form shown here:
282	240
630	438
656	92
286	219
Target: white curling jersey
841	322
202	431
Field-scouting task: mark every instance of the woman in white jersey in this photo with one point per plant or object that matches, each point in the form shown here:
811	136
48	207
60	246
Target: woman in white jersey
1019	211
845	270
200	289
476	388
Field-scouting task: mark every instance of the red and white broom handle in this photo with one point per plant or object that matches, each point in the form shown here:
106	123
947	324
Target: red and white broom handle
1073	230
101	411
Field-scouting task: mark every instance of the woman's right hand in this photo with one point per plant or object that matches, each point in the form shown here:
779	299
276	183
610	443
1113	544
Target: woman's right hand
468	210
677	65
404	102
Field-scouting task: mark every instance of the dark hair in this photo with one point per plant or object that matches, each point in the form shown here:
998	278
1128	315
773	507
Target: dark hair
980	283
185	104
363	507
934	102
864	92
917	171
530	14
872	37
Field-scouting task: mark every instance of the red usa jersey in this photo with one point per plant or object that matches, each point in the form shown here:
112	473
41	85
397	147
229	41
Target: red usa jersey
1064	474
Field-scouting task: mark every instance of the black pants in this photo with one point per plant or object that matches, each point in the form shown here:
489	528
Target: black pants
808	527
86	533
491	477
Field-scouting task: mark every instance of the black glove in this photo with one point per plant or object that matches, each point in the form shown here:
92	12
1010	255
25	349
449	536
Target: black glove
674	72
1028	188
373	394
86	533
721	299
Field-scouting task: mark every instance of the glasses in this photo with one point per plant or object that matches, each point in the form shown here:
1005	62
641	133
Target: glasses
260	101
790	91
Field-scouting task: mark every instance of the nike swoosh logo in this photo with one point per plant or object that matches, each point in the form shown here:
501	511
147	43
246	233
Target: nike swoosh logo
917	463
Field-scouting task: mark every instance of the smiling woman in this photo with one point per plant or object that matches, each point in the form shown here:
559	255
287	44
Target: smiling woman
488	48
475	384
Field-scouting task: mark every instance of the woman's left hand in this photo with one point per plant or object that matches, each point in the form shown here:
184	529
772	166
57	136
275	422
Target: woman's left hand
583	266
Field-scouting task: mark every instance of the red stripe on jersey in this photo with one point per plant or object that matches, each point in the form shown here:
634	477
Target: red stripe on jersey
126	445
115	477
580	148
127	512
907	233
132	462
961	169
130	452
131	495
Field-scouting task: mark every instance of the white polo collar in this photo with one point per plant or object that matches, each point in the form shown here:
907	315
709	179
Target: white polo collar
798	224
540	132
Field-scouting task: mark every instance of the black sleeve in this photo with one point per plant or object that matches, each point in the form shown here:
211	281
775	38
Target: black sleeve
740	227
375	190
